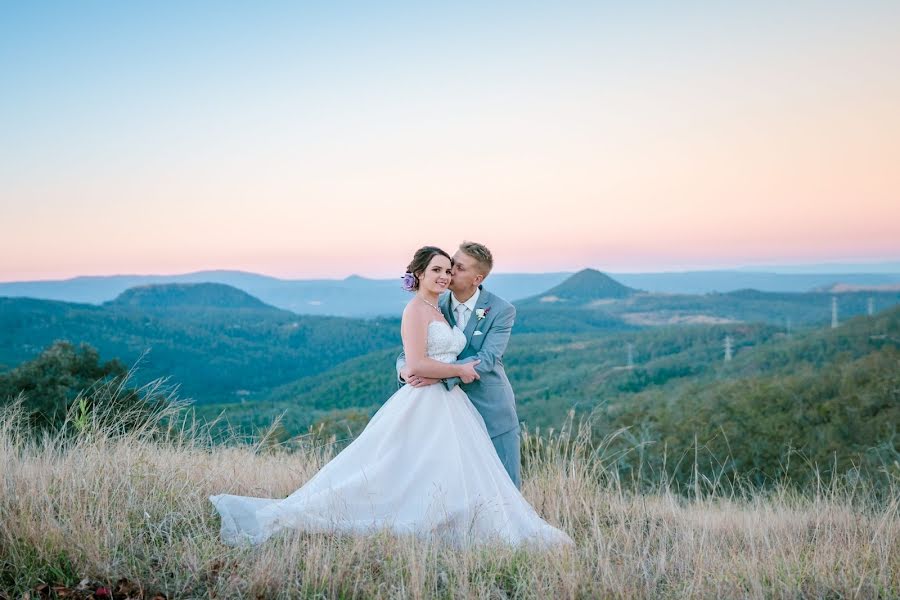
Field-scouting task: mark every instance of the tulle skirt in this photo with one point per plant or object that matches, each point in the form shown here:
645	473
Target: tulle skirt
424	465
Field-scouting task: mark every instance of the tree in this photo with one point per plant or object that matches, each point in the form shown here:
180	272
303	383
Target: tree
50	383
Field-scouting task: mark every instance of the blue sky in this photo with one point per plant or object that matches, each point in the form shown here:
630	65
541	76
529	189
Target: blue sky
333	138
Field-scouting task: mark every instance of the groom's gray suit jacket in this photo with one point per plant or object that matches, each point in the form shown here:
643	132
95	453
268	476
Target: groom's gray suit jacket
486	340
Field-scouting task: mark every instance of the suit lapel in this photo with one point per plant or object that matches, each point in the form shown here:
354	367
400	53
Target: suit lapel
444	304
483	302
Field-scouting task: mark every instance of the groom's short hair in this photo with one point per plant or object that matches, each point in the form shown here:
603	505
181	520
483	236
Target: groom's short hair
480	253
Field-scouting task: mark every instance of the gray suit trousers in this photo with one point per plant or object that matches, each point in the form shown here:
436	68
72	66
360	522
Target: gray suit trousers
508	449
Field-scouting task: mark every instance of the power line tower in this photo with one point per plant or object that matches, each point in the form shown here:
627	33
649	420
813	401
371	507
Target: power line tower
834	316
728	348
871	306
630	355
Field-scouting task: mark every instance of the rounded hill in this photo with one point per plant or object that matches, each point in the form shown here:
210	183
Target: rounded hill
187	295
585	286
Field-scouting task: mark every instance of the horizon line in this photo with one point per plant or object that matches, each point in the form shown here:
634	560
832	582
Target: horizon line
746	268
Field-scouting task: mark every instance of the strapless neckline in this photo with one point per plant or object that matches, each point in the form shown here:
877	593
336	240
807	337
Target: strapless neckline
445	341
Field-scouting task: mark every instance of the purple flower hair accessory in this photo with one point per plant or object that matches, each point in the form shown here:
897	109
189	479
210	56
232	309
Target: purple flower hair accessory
410	282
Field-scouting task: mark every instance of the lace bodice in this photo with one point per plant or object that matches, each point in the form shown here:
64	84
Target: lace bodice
444	343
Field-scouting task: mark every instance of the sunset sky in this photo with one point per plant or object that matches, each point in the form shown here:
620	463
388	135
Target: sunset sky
331	138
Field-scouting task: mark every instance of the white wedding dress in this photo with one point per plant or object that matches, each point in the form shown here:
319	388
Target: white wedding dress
424	465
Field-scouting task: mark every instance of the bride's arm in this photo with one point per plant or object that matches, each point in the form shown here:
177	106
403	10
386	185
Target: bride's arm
414	331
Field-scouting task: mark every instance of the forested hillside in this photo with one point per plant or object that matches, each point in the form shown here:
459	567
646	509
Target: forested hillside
551	373
217	346
828	400
702	381
830	395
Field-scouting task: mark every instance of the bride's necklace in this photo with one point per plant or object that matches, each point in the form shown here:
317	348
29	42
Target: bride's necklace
429	304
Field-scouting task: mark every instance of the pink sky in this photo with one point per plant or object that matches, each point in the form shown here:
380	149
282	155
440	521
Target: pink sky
626	142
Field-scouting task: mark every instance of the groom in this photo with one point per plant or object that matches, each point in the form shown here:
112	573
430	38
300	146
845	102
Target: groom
487	321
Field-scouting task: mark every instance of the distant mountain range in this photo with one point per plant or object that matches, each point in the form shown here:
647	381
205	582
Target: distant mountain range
222	343
590	299
365	298
351	297
705	282
829	267
843	288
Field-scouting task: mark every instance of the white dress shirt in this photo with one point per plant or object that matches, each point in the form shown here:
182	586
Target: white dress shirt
469	304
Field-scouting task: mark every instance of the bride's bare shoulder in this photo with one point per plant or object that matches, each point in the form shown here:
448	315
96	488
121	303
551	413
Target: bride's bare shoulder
415	310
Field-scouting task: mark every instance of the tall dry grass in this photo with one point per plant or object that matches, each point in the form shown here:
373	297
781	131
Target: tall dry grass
103	503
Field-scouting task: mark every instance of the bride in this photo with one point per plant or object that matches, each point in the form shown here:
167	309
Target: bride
424	464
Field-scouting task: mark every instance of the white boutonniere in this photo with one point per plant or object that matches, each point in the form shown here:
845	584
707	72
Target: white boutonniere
482	312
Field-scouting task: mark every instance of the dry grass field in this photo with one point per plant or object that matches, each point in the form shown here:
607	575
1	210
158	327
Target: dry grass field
100	512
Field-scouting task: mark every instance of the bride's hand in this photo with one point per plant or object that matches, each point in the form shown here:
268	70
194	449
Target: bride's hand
467	372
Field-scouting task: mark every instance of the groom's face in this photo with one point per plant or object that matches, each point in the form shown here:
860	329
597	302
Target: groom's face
467	274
